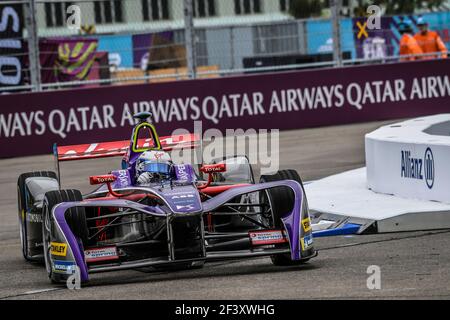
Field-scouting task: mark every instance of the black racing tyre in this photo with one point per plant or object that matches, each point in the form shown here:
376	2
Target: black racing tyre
22	208
75	217
281	200
76	220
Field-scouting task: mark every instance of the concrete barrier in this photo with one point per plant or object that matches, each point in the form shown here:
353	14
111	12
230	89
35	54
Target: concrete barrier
411	159
405	186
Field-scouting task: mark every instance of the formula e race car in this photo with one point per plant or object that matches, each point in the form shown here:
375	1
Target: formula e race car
153	212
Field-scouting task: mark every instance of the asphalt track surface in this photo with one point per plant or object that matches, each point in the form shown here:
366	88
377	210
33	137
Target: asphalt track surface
413	265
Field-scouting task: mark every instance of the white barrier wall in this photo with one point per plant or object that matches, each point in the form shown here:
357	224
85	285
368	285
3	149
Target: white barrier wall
411	159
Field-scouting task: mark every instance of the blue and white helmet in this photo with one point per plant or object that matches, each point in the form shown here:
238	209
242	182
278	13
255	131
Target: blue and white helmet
153	165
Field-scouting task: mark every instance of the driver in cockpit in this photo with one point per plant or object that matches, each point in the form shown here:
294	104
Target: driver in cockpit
153	166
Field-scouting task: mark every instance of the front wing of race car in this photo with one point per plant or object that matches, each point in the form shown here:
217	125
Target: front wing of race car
72	256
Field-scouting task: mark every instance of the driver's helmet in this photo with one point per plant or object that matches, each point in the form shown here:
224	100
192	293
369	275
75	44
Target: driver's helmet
153	166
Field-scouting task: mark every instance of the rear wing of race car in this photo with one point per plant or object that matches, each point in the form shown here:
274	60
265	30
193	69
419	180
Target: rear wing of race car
119	148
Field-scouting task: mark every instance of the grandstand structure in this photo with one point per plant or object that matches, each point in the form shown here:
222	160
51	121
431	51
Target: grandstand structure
139	41
119	16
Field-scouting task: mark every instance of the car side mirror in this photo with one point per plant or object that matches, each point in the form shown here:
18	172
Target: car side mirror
210	169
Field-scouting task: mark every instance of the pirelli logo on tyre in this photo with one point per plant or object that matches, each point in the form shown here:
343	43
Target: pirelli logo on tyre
58	249
306	224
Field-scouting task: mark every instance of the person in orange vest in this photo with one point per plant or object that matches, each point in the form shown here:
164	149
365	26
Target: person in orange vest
429	41
408	45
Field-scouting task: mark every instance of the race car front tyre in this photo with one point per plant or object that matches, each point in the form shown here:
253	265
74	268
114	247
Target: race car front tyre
75	218
281	201
22	209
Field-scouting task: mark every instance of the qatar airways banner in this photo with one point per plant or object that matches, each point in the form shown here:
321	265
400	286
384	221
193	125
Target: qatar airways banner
30	123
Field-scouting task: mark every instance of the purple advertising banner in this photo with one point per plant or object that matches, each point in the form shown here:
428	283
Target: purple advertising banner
142	44
31	122
66	59
374	43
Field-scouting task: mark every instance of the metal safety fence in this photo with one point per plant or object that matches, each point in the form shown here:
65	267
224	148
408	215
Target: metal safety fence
51	44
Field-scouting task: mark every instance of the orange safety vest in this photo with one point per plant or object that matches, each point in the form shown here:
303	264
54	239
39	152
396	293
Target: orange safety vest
409	45
431	42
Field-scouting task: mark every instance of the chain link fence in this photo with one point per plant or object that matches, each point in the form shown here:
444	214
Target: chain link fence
51	44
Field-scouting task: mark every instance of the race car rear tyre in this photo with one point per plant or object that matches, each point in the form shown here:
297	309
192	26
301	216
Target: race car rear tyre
22	209
281	201
75	218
